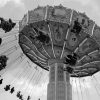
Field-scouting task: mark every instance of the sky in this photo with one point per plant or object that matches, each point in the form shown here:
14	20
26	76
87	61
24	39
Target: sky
16	9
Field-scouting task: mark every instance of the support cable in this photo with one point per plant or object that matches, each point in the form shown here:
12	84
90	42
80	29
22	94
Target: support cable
10	61
22	77
72	82
10	49
33	88
10	52
30	81
80	88
41	86
19	75
96	80
22	74
95	87
3	72
40	75
77	89
37	78
44	81
9	34
8	42
86	89
35	74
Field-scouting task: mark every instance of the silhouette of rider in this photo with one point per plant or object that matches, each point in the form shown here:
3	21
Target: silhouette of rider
7	87
41	36
21	96
7	25
28	98
3	61
12	90
1	81
18	94
77	27
71	59
0	41
70	70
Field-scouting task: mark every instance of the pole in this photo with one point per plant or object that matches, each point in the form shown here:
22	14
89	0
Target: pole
59	87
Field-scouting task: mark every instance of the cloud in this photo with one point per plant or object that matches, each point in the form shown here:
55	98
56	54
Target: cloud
17	2
84	2
91	3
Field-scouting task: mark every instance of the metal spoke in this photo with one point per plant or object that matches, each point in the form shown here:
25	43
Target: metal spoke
51	41
66	35
46	52
27	39
92	33
46	13
42	45
39	52
80	44
35	48
35	58
93	29
38	56
84	39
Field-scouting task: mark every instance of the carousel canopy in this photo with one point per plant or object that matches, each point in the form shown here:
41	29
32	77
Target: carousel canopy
48	34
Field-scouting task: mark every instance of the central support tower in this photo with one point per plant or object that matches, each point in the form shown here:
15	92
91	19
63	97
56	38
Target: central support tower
59	87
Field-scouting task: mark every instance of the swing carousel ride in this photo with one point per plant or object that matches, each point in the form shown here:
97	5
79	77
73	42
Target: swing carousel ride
58	40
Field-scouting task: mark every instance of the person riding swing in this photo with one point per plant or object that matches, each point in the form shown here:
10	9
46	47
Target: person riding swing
7	26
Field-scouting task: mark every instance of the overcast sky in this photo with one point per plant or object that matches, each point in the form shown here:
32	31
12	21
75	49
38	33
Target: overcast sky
15	9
